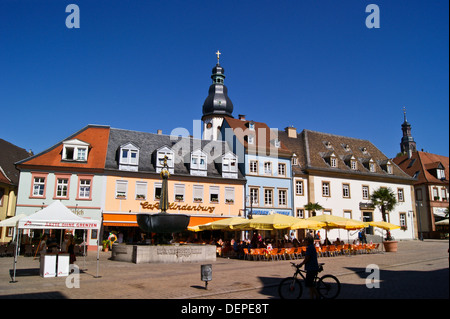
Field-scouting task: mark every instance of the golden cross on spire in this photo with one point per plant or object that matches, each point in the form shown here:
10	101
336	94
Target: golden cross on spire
218	55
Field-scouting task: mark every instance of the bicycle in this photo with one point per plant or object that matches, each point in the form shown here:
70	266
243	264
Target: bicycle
328	286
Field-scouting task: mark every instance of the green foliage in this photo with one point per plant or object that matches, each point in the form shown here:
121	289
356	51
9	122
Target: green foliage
385	199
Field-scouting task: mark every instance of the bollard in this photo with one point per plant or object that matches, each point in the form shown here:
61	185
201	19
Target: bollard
206	274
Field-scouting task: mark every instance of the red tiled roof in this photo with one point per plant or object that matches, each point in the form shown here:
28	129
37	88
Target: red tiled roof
264	137
96	136
424	163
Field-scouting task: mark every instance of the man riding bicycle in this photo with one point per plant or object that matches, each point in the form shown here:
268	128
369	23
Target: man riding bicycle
311	267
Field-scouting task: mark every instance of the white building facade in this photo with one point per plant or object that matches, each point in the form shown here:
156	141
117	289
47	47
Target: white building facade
340	173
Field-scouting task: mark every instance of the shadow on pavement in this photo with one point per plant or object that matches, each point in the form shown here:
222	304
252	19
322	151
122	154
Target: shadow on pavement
387	284
37	295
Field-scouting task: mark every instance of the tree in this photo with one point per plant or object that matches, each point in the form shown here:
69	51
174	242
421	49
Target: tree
313	207
384	199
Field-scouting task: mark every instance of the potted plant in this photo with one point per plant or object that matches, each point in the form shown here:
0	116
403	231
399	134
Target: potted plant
385	200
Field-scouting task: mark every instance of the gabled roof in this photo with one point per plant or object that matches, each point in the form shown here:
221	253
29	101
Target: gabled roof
150	143
9	154
313	147
94	135
422	164
264	137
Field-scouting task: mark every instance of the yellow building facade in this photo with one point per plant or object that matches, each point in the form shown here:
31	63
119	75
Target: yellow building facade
204	199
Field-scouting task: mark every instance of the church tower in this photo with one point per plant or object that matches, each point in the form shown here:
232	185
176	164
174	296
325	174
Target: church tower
407	145
217	105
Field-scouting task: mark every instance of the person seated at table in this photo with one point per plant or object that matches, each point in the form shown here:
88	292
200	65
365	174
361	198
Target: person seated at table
327	242
337	242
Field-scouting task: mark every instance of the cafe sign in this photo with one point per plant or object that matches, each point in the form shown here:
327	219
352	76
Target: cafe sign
176	206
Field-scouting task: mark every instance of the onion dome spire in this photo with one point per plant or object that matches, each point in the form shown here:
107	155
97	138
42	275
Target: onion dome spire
217	102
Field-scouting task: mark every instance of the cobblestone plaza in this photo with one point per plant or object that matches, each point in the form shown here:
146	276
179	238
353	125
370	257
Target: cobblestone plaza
419	270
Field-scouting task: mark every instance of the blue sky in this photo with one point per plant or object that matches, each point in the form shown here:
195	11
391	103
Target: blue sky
146	65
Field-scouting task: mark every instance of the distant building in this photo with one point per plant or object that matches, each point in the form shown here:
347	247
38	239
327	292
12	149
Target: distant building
71	171
205	182
431	186
9	183
266	165
407	144
112	174
340	173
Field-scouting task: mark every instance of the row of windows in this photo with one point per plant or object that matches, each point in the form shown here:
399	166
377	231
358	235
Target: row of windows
348	214
438	194
62	186
326	191
352	162
268	200
129	155
267	168
84	190
198	194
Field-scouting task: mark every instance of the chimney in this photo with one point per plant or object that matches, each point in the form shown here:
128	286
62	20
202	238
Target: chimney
291	131
242	117
159	132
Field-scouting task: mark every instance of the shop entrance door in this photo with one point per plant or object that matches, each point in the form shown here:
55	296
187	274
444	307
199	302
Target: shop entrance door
368	217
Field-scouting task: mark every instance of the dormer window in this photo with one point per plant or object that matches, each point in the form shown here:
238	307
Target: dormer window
346	147
294	159
229	165
353	164
75	150
440	173
198	163
371	166
160	154
369	163
364	150
251	125
129	157
389	169
387	166
327	144
331	159
436	169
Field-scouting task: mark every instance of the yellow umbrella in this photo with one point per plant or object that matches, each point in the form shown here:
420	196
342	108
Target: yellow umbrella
307	224
332	221
223	224
194	228
352	225
383	225
268	222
